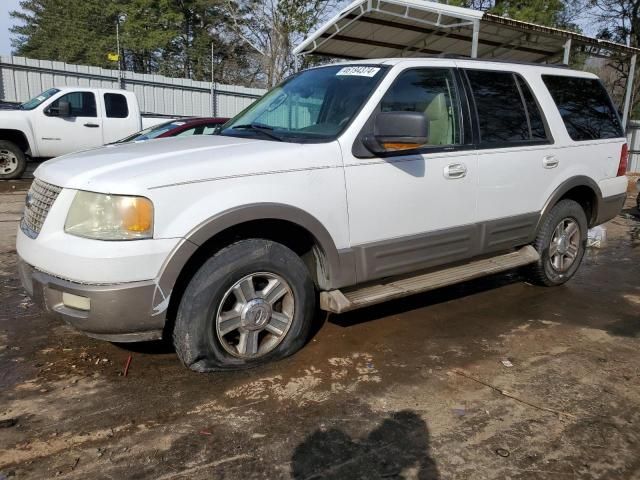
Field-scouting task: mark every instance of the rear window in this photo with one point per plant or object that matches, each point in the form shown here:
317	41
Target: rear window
116	105
585	107
507	111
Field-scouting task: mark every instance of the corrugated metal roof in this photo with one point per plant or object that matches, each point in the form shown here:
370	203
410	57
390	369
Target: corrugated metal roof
408	28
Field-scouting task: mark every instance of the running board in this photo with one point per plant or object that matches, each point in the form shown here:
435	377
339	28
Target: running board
338	301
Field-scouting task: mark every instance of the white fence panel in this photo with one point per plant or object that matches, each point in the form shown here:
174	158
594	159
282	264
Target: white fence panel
24	78
634	146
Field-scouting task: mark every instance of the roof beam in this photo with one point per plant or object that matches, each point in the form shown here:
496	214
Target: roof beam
455	36
376	43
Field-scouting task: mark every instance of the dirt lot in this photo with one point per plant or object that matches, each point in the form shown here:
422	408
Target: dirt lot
411	389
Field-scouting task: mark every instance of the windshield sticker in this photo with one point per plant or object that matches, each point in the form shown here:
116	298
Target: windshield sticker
359	71
41	98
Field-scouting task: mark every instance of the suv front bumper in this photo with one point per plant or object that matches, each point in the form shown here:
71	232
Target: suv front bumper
125	312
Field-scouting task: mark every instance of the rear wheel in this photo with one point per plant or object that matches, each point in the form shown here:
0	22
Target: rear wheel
251	303
12	161
561	242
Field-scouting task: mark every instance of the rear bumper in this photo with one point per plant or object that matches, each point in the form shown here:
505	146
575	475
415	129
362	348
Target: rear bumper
128	312
610	207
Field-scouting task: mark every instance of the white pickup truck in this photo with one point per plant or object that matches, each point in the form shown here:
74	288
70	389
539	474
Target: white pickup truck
65	120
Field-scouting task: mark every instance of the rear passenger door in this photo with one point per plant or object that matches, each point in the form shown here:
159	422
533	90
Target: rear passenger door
119	121
516	161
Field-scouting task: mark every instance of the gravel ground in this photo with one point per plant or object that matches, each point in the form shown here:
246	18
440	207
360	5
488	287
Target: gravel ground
491	379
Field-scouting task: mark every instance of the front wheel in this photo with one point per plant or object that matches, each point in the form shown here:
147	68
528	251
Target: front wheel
250	303
12	161
561	243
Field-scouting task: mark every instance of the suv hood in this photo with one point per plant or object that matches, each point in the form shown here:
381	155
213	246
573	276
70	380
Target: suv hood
135	167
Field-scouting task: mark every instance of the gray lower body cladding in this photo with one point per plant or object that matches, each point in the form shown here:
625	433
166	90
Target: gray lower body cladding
118	313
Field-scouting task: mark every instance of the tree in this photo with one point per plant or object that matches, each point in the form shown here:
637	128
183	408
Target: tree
619	21
273	27
64	30
170	37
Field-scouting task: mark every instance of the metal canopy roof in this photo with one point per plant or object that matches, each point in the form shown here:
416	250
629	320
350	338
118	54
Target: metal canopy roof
409	28
414	28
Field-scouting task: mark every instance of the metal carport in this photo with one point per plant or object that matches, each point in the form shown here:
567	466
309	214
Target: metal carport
410	28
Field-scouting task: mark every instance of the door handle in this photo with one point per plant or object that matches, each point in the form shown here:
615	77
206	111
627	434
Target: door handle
91	125
550	161
455	170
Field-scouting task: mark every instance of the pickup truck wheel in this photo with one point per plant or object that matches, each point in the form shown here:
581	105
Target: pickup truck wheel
12	161
250	303
561	242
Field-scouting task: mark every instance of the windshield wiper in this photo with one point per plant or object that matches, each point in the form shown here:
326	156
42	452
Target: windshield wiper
258	127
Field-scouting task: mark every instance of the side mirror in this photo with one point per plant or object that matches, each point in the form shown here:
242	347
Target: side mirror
397	131
64	109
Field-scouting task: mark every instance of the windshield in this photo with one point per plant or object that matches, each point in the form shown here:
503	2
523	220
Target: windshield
152	132
34	102
313	106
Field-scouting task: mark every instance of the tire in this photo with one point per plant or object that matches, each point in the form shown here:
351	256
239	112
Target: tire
549	270
212	304
12	161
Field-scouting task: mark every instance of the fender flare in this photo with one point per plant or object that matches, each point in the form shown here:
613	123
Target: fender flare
566	186
340	266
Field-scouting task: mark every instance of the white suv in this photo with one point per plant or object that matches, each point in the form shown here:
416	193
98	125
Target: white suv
350	184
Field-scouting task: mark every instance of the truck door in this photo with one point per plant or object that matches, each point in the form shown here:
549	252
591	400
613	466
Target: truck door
119	120
58	133
416	210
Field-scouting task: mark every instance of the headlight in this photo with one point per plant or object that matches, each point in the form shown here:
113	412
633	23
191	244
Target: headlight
110	217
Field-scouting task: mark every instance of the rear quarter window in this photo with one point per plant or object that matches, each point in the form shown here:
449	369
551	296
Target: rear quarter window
116	105
585	107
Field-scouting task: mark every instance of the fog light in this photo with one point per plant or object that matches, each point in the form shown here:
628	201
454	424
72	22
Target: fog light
76	301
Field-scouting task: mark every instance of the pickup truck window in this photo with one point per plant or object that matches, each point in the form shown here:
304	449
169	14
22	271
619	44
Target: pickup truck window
35	101
313	106
430	91
81	104
116	105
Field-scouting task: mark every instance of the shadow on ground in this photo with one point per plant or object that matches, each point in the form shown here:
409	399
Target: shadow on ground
397	448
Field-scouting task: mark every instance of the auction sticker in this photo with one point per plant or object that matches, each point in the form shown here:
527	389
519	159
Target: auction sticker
359	71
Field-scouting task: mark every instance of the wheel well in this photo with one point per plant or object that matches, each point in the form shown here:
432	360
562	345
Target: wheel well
293	236
587	199
17	137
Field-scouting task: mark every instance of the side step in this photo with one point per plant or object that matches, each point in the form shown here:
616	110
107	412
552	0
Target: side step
338	301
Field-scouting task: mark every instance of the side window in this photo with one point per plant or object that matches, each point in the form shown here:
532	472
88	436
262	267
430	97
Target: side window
585	107
502	110
431	91
116	105
211	128
538	131
191	131
81	104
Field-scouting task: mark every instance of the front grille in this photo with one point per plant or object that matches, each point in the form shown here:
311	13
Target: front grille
40	197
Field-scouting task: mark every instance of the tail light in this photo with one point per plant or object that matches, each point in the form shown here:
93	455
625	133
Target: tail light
624	160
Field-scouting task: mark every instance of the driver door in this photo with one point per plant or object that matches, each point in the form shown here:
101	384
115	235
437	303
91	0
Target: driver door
409	211
81	130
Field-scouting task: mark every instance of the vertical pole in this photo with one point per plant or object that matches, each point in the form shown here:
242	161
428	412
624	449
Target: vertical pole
567	52
213	87
120	82
629	92
474	42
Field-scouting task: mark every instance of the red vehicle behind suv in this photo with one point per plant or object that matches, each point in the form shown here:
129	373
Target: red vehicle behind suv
177	128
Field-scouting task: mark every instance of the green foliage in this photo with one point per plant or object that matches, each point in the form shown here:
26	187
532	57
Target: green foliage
65	30
171	37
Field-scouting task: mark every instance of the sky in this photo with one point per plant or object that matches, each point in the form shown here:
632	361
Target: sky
5	22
